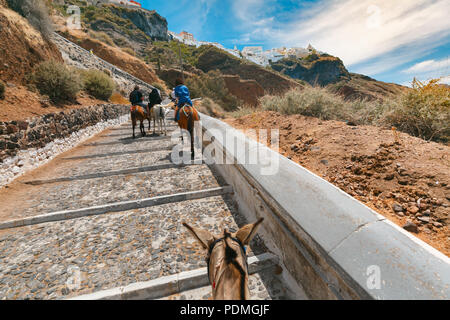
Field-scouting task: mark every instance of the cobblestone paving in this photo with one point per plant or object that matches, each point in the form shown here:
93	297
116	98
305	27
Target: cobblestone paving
63	259
37	262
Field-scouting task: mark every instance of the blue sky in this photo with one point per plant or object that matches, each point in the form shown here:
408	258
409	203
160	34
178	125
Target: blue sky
389	40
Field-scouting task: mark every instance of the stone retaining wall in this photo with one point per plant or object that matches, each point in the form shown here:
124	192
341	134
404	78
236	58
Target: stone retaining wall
39	131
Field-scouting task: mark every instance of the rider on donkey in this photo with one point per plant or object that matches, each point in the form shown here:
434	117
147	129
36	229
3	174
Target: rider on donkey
154	98
137	98
181	93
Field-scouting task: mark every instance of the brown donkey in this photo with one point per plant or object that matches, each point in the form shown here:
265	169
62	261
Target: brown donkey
138	114
227	260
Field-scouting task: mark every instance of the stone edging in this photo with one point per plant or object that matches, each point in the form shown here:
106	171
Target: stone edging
173	284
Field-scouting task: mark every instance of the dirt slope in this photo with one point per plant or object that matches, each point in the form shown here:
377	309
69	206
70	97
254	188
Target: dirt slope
22	47
22	104
363	87
381	168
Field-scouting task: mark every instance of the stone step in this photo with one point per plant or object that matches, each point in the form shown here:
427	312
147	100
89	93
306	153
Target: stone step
177	284
111	173
76	194
111	250
114	207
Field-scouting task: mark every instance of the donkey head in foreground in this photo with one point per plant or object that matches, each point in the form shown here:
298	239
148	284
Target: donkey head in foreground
227	260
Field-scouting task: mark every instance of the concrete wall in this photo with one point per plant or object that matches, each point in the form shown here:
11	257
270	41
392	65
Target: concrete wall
331	244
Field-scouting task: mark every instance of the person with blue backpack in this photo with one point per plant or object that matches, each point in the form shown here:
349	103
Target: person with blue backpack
182	94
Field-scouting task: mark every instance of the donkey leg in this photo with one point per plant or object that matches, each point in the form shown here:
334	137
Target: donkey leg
142	128
192	145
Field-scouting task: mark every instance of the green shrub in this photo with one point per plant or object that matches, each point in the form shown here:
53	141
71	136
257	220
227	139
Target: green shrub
98	84
423	111
2	90
213	86
36	12
211	108
57	81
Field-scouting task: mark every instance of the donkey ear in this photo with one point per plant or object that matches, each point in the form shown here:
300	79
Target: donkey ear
246	233
204	237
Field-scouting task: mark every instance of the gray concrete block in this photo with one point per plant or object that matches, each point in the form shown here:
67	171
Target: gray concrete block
407	269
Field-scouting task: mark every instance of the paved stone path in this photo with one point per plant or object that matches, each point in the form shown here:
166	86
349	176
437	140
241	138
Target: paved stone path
68	258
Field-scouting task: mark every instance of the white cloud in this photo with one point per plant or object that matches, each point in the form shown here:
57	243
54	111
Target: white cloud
357	31
430	66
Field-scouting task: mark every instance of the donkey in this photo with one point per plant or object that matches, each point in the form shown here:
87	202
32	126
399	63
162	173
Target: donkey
138	114
158	114
227	260
188	115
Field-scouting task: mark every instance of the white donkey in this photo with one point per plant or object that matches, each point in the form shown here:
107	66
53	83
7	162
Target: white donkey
159	113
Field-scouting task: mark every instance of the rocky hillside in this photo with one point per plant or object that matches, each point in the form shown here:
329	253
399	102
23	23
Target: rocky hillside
328	71
314	69
359	86
124	27
215	59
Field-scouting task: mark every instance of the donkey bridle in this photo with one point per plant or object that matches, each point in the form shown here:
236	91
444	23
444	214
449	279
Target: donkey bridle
210	250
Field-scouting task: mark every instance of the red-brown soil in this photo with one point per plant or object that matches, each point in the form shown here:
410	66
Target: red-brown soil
248	91
22	47
377	166
22	104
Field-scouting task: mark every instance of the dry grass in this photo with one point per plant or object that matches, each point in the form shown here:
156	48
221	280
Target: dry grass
102	36
242	111
36	12
423	112
128	50
117	98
